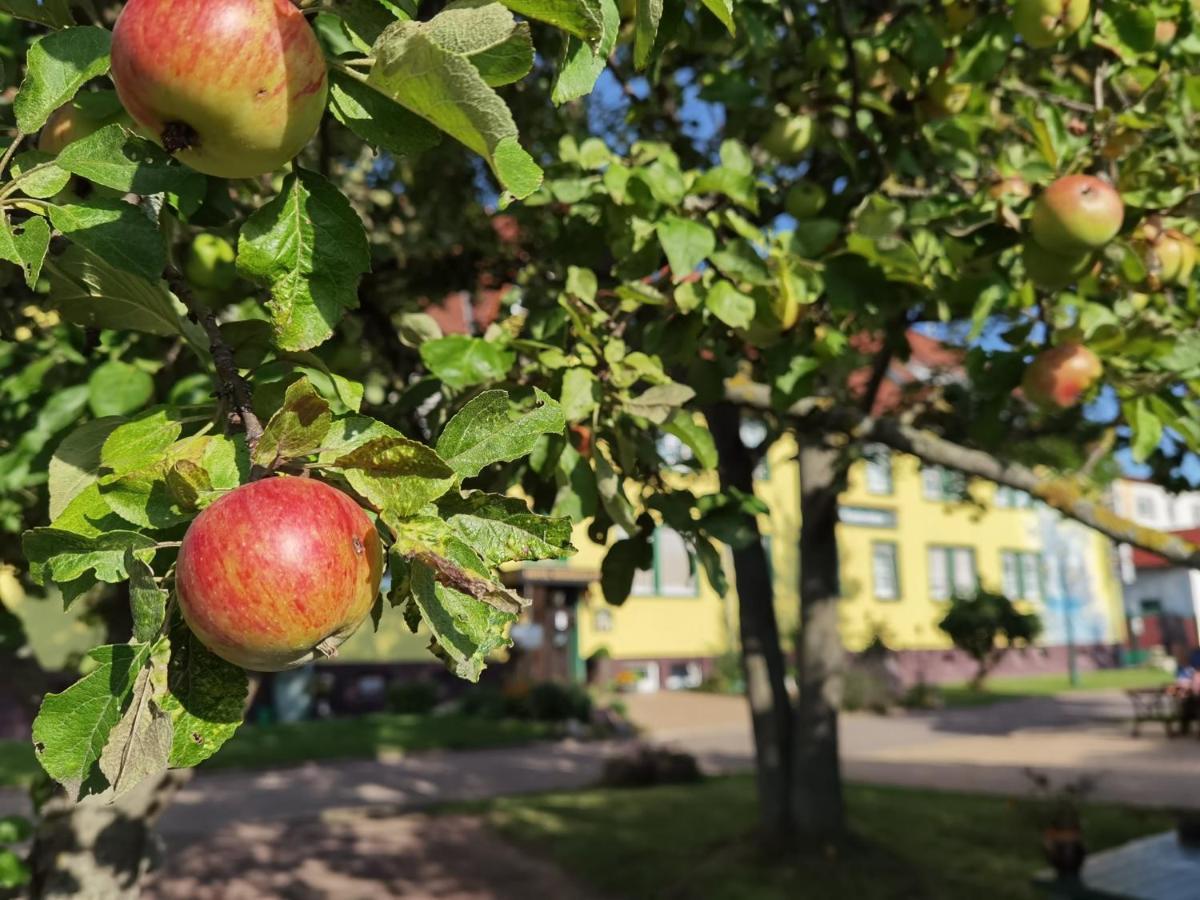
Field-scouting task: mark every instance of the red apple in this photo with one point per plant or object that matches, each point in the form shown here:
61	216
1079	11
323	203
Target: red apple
1060	376
1077	214
234	88
278	572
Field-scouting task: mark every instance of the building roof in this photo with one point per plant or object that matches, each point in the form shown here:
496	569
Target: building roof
1143	559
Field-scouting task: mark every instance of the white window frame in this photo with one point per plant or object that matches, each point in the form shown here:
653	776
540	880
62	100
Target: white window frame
893	562
943	562
879	478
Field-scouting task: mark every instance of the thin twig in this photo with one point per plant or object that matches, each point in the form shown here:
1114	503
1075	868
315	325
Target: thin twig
8	153
1057	99
233	387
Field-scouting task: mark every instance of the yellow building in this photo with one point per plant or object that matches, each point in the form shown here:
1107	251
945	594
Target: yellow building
908	542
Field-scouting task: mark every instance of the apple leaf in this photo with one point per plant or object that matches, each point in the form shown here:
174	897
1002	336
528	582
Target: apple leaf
730	305
72	727
580	18
147	601
648	13
723	10
422	66
657	403
115	230
124	162
206	697
583	61
55	13
489	430
310	247
76	463
396	474
25	245
683	425
37	175
610	487
61	556
502	529
140	441
90	292
379	120
687	244
461	361
57	66
465	631
140	743
500	47
143	495
297	429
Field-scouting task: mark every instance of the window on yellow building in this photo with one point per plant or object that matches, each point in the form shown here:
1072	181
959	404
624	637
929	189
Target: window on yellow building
602	620
879	470
942	484
885	570
674	572
1021	575
952	572
1010	498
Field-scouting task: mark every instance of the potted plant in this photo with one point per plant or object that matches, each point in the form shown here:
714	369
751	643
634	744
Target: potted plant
1057	812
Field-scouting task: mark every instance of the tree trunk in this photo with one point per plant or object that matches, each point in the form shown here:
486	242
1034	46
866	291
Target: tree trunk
95	850
817	801
762	654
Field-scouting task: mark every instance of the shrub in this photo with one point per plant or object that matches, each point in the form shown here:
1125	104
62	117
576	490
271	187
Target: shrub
551	701
412	697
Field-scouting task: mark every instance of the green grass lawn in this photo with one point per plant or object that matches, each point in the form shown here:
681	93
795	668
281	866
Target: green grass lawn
267	746
1001	688
698	842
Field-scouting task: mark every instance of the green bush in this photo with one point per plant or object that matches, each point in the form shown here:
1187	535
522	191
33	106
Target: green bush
551	701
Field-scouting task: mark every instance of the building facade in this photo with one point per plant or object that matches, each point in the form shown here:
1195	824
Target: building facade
910	538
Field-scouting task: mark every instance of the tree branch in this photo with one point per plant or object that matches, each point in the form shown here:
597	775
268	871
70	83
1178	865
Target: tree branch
233	389
1061	494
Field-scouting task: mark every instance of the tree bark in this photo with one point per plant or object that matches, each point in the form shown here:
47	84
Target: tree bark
762	653
817	801
98	851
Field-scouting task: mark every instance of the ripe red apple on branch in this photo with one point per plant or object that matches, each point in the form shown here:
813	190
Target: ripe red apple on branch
233	88
1061	376
278	572
1077	214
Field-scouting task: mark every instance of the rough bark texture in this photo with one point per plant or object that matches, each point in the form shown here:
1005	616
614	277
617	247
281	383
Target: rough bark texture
98	851
762	654
817	801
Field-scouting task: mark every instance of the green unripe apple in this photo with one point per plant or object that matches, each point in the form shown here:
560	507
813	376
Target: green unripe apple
66	125
211	264
946	98
789	135
1044	23
1051	270
1077	214
804	200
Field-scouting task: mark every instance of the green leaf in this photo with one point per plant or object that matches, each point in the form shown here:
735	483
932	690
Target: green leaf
15	829
485	32
581	18
144	495
648	13
687	244
1147	428
25	245
465	630
489	430
396	474
57	66
91	293
141	441
38	175
610	487
61	556
188	485
730	305
297	429
309	246
582	61
379	120
206	697
659	402
147	600
76	463
14	872
124	162
623	561
683	425
140	742
580	394
55	13
72	727
502	529
723	10
116	388
115	230
460	361
444	87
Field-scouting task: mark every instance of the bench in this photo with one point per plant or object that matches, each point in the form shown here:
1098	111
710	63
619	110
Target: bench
1155	705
